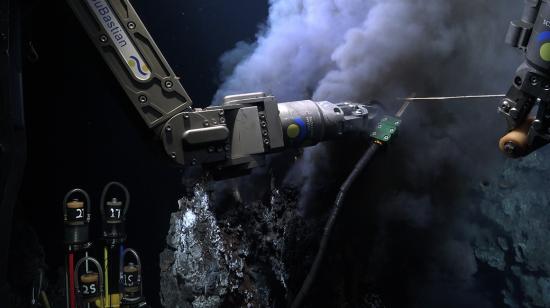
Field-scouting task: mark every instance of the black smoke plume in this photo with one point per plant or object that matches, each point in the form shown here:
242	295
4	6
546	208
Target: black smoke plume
406	231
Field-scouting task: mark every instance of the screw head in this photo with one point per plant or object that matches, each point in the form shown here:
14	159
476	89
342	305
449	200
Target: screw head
222	120
131	25
514	113
266	141
537	124
206	124
186	116
173	155
518	81
169	84
142	99
534	80
103	38
168	128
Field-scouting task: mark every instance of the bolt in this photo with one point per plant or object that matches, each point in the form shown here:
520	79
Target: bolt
534	80
537	124
169	84
168	128
514	113
131	25
222	120
265	133
386	138
262	116
263	124
505	106
103	38
142	99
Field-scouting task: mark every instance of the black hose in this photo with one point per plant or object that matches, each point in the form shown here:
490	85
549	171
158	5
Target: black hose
310	278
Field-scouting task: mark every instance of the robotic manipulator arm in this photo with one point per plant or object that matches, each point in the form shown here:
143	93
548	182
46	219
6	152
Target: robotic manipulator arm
531	85
229	139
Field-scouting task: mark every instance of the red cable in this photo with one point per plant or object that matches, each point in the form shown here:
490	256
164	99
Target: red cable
71	280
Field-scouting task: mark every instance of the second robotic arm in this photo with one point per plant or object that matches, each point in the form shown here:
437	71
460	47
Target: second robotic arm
531	85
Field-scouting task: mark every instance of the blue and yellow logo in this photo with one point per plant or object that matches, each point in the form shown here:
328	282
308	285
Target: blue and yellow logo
297	130
544	40
136	64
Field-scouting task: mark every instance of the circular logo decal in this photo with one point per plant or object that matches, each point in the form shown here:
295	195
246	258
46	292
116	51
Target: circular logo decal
544	40
297	130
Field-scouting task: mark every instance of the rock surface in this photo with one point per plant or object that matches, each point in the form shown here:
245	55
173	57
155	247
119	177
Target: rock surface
516	235
255	254
238	258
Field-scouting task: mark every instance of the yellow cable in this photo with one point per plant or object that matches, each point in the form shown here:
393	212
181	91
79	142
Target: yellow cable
45	300
106	270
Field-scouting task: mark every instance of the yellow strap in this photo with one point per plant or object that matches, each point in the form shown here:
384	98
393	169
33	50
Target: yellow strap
115	301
